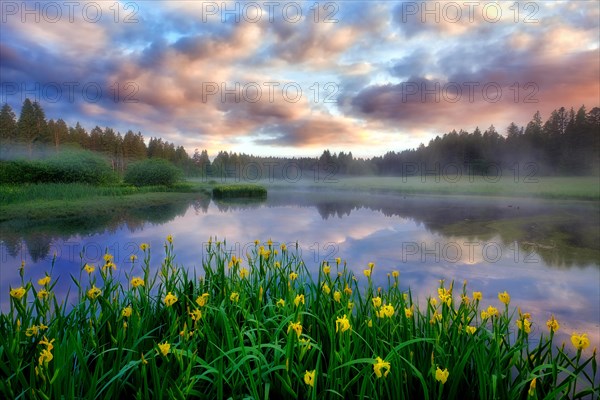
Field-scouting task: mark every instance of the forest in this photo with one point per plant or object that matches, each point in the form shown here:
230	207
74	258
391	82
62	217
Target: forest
566	143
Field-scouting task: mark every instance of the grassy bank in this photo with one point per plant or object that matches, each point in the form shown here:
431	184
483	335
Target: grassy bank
59	200
264	327
54	200
572	188
11	194
58	209
239	191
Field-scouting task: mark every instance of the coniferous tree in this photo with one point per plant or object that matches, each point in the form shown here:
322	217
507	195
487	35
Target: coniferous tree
27	125
57	132
134	148
78	136
95	139
201	163
8	125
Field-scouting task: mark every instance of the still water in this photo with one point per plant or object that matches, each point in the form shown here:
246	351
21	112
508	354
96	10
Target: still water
546	254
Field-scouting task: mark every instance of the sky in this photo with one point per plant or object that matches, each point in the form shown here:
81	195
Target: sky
292	78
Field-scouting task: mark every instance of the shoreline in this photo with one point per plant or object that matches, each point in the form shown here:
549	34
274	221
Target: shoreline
95	200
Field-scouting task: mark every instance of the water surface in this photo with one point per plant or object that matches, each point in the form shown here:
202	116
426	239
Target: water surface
544	253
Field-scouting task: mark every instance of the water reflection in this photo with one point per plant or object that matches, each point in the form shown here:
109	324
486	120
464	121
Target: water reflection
225	205
37	237
563	234
545	253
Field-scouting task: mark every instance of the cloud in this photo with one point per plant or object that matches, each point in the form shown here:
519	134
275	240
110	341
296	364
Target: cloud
169	58
318	46
312	132
498	79
417	62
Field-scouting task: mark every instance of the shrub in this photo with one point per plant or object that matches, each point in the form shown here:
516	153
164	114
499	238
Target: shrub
154	171
236	191
78	166
20	171
65	167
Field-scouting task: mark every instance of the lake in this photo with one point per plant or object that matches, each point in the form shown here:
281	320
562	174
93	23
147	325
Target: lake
544	253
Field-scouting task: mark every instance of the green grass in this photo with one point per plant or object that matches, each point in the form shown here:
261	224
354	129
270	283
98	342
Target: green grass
256	328
239	191
65	200
11	194
91	207
574	188
60	200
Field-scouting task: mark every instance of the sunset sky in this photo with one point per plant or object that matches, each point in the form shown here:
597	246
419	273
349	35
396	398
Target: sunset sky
176	65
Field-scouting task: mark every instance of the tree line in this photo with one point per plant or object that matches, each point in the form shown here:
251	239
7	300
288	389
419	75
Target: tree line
31	134
567	143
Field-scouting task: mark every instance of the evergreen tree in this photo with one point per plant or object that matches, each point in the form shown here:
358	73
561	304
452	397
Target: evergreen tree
95	140
41	125
134	148
27	125
201	163
155	148
57	132
534	127
512	131
32	125
8	125
78	136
